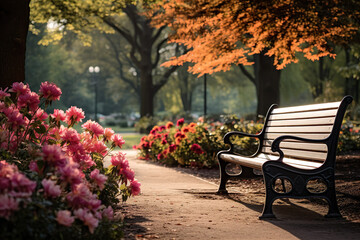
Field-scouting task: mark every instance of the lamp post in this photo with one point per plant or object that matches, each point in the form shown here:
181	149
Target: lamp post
205	97
94	70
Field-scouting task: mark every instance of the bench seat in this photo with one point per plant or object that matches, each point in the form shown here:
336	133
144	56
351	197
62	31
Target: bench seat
258	161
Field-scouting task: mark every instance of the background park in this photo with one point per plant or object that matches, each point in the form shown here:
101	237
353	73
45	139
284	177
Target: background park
167	78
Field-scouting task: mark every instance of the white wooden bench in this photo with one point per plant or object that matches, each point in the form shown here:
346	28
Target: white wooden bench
297	147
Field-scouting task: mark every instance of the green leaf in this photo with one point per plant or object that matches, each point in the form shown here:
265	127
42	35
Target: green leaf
41	129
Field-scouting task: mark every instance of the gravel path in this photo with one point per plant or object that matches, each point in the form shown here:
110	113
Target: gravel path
176	205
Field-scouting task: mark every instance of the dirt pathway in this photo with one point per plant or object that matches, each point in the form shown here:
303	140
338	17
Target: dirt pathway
175	205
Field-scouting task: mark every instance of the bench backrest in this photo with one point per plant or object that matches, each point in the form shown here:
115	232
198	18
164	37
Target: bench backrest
316	121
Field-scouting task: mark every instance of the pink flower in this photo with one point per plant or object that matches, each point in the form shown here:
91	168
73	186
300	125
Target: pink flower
8	204
180	122
50	188
108	133
19	88
64	217
70	135
58	115
33	166
50	91
118	140
98	178
108	213
99	147
74	115
71	174
93	127
53	155
88	218
30	100
41	115
135	187
21	186
128	174
14	118
196	149
4	93
118	160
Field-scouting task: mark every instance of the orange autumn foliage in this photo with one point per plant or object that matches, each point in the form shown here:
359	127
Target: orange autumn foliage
219	33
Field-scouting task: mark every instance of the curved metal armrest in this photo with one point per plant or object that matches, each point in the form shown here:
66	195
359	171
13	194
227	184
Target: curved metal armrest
275	146
229	134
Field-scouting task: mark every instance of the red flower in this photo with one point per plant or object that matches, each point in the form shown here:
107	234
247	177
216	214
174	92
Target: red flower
196	149
180	122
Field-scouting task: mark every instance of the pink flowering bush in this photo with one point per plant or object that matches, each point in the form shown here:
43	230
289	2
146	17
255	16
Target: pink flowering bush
53	182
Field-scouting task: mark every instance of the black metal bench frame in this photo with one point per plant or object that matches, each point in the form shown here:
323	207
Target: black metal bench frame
277	169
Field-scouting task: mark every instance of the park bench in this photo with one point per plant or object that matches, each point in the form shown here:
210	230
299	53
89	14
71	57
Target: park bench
296	147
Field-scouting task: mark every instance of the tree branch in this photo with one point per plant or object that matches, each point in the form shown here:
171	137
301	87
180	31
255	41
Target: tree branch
247	74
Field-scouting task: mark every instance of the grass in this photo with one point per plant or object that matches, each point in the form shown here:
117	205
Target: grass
130	136
131	140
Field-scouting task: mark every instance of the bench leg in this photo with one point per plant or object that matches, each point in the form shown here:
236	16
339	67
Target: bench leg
331	199
270	197
224	177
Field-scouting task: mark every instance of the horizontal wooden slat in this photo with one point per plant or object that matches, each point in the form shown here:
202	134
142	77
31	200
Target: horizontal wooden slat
319	147
304	115
311	155
304	108
302	122
258	161
295	129
302	135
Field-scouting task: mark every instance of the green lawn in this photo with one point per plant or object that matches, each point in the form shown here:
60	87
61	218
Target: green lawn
130	136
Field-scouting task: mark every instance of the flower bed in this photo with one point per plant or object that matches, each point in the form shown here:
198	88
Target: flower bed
191	144
53	182
196	144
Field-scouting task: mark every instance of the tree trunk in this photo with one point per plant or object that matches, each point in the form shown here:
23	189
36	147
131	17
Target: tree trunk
268	83
147	94
14	24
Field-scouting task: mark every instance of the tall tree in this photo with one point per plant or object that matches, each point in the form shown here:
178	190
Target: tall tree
145	53
220	33
14	24
82	17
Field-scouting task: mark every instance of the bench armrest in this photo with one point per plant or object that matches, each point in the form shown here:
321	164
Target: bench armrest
229	134
275	146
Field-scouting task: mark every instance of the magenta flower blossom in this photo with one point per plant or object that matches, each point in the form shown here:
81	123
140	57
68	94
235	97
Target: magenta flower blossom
118	140
98	178
70	135
50	188
30	100
135	187
64	217
14	118
8	205
93	127
4	93
58	115
108	213
88	218
128	174
19	88
50	91
74	115
41	115
119	159
54	155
